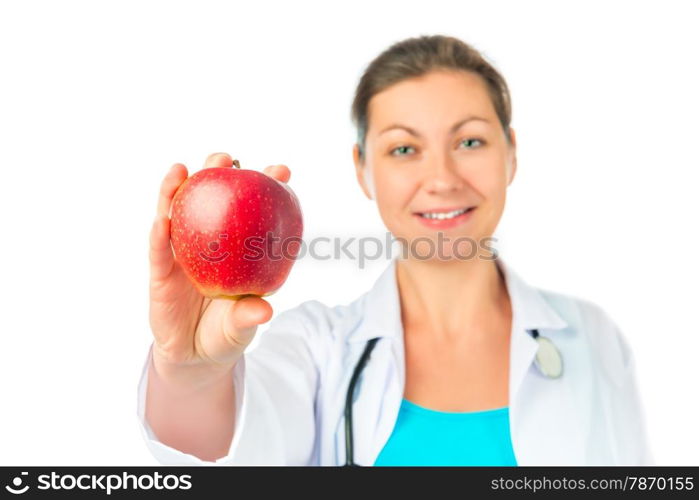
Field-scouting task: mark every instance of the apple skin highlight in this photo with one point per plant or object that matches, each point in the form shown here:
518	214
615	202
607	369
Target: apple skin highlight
235	232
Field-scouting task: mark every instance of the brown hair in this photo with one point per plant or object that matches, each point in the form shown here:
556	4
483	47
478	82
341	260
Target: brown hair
417	56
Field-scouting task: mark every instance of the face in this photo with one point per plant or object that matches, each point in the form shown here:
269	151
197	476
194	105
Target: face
434	149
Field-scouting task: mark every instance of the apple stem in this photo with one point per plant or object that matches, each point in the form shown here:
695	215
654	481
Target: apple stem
236	163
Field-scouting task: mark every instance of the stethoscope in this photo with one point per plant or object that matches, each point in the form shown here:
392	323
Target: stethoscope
548	360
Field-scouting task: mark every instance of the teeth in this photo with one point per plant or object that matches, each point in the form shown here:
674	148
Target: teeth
443	215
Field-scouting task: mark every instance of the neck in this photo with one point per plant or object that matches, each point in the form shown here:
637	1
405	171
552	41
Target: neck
452	299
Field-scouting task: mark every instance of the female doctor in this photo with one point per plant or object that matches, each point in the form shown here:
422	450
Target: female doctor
446	360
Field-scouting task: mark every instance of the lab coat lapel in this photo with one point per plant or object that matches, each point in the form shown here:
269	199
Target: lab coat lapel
382	381
545	425
376	410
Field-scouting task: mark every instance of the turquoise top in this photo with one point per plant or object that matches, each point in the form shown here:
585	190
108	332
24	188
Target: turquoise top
428	437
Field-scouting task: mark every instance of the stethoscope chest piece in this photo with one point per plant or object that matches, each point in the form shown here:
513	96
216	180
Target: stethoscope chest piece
548	360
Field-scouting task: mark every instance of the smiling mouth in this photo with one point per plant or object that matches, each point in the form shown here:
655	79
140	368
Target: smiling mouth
444	215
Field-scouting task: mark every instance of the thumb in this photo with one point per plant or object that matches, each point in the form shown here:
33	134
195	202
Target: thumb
242	318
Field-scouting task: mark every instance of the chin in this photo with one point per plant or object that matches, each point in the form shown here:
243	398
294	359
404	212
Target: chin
446	245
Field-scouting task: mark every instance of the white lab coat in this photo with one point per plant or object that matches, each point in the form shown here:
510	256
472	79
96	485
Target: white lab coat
291	387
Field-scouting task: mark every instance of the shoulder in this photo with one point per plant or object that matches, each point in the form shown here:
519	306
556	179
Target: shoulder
596	332
599	344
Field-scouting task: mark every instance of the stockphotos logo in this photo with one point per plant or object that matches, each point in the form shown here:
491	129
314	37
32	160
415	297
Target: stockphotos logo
102	482
16	486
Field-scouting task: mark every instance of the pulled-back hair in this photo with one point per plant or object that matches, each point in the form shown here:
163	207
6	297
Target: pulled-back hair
417	56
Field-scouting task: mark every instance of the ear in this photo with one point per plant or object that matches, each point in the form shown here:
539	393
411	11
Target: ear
512	158
360	171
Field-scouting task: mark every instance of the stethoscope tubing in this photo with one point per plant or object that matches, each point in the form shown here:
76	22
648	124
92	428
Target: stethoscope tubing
349	438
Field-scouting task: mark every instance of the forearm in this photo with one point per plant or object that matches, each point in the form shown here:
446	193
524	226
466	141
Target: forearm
191	412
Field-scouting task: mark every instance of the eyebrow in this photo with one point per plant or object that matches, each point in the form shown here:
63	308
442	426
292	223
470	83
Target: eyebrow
453	129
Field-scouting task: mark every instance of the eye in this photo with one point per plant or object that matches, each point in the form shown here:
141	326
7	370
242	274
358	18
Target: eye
472	139
399	148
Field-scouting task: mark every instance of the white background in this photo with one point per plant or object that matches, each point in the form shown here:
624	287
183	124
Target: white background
98	99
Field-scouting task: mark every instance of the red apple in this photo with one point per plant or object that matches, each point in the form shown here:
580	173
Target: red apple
235	232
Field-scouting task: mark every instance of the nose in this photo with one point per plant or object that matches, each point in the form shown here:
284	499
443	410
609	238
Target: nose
443	177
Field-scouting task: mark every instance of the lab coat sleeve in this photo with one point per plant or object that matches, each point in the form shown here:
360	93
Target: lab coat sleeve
626	406
275	385
634	447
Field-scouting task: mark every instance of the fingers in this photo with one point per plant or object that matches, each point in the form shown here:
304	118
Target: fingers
160	254
242	318
175	176
218	160
279	172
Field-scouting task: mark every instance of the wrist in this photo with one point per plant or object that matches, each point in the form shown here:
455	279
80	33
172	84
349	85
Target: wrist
189	377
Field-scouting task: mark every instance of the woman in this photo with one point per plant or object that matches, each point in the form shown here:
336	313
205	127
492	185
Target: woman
456	375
